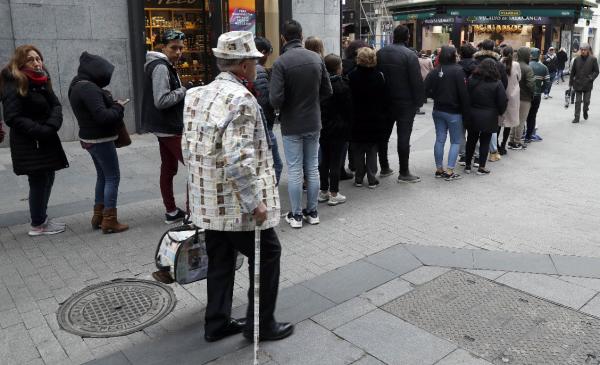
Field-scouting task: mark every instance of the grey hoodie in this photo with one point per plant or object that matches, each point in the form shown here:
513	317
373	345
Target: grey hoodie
162	94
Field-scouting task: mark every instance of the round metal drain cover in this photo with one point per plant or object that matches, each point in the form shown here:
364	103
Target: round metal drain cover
116	308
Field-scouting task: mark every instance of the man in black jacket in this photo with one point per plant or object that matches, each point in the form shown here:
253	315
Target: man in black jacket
162	114
583	74
261	91
405	94
299	82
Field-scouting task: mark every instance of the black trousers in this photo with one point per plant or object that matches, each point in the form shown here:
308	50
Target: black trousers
332	156
405	118
365	161
484	146
532	116
580	96
40	188
382	146
505	136
221	247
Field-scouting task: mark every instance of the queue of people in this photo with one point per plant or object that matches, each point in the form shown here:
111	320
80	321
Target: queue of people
328	109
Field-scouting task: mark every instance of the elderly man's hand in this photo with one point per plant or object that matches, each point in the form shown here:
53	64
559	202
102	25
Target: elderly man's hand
260	214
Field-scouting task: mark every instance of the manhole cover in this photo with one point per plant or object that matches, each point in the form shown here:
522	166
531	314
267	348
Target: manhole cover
116	308
498	323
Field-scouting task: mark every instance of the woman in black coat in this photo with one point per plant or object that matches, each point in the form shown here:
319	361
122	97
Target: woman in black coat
488	102
369	124
34	114
99	117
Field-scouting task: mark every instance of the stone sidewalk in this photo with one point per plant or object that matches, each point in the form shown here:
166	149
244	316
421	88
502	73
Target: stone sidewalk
351	316
541	201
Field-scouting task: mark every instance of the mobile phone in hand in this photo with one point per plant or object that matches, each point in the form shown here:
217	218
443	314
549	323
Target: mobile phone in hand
124	102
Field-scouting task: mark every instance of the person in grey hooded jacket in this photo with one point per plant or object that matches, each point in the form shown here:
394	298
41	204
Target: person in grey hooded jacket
162	114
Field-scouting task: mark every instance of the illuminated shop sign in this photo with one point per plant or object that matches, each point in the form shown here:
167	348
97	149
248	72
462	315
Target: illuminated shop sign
513	12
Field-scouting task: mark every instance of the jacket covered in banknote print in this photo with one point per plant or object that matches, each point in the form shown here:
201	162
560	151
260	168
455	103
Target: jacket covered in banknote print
226	151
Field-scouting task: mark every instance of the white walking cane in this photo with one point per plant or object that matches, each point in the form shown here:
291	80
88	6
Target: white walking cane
256	290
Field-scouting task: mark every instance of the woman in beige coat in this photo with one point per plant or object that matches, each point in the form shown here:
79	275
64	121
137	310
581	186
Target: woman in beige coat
510	118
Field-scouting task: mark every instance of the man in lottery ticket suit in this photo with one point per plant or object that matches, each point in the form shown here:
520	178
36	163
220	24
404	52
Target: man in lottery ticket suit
233	188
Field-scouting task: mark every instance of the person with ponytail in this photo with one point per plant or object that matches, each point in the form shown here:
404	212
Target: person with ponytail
510	118
34	115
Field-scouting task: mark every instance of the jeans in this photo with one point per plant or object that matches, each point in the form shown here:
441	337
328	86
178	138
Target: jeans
40	188
484	146
532	116
108	175
365	160
561	74
586	96
302	158
220	248
494	143
170	156
331	165
277	163
549	85
446	123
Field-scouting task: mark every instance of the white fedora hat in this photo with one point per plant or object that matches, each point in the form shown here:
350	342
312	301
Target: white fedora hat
236	45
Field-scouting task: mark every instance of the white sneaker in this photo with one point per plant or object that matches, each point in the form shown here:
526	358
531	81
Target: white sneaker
335	200
324	196
58	224
46	229
294	221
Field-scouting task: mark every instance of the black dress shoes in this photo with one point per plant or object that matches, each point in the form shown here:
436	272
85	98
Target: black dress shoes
234	327
276	331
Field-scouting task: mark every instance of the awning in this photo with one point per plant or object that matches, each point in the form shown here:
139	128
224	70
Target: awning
507	12
404	4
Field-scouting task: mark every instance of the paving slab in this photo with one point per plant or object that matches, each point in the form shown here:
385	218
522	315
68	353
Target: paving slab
511	261
592	307
577	266
388	291
424	274
550	288
297	303
349	281
590	283
311	344
114	359
344	313
462	357
368	360
488	274
443	256
393	340
396	259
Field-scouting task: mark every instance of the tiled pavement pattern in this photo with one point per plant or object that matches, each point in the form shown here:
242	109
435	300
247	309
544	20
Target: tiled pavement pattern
347	316
542	201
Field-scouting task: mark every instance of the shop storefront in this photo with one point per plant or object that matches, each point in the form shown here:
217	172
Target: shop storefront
202	21
540	25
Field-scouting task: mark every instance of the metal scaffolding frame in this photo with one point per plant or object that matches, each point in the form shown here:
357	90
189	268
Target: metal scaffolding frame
372	12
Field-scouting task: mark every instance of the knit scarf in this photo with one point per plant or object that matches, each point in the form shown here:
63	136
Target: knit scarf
36	77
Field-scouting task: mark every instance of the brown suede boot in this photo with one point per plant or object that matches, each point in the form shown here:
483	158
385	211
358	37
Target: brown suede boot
97	217
110	224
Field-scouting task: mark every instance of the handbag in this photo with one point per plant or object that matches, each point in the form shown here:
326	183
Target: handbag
181	256
123	138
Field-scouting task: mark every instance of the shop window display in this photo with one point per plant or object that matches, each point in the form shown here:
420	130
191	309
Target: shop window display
194	66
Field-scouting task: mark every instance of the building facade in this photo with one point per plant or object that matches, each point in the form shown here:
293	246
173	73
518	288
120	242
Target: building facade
123	30
434	23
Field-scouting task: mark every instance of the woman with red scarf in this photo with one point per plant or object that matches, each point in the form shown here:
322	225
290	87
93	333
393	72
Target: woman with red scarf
34	115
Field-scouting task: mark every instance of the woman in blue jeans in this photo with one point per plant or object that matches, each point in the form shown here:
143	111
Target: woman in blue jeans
99	117
446	85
